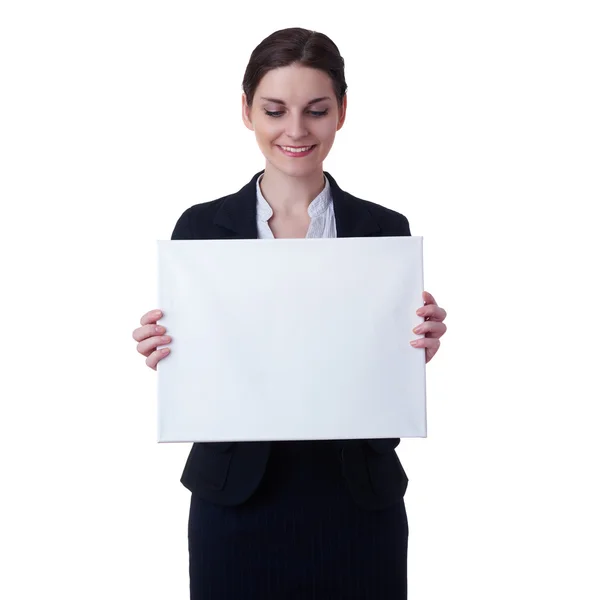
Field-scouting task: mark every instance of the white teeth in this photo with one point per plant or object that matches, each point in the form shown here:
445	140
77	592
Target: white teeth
287	149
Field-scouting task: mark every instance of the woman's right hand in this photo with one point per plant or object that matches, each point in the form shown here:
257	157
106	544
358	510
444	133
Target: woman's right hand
150	335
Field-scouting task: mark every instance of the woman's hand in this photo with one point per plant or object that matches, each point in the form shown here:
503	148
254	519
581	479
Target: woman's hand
433	327
150	335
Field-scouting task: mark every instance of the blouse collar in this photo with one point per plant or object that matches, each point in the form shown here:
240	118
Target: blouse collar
317	207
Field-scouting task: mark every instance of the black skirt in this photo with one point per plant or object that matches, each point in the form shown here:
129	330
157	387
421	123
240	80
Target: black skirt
300	536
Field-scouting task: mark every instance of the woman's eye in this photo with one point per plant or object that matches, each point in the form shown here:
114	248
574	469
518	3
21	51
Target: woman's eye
313	113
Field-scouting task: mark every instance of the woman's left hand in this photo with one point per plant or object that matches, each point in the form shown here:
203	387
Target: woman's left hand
433	327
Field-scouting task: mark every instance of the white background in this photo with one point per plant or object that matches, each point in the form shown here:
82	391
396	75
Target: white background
477	120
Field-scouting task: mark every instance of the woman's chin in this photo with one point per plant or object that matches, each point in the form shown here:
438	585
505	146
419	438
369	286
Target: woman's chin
297	168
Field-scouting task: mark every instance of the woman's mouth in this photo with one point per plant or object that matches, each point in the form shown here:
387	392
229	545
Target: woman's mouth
297	151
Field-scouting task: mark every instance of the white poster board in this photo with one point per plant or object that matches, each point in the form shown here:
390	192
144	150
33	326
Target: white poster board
291	339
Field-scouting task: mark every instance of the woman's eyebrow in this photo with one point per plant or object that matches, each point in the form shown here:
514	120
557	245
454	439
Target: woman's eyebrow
277	101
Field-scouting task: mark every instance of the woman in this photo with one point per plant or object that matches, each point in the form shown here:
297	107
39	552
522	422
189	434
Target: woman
314	519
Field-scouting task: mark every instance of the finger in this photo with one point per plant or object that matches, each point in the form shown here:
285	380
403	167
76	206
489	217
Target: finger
431	329
157	356
142	333
428	298
431	343
151	317
433	312
146	347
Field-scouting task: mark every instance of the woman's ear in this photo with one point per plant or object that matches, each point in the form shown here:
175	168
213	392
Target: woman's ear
246	113
342	116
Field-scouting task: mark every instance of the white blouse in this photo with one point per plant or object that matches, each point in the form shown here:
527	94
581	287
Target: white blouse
320	211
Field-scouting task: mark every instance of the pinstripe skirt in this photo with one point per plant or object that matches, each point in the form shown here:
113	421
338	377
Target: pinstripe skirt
300	536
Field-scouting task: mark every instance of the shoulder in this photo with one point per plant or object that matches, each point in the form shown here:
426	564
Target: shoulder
390	221
195	219
233	214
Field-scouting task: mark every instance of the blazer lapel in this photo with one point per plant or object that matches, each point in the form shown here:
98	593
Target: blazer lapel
352	218
238	213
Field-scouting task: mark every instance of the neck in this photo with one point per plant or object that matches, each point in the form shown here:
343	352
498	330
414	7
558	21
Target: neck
290	196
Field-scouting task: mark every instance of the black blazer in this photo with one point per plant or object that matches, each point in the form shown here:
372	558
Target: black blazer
229	472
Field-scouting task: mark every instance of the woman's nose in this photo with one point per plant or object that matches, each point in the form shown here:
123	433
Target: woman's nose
296	127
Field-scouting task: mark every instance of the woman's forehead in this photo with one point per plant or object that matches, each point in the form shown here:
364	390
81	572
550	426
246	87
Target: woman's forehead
295	83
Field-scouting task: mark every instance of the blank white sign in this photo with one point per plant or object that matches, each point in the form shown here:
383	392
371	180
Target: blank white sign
291	339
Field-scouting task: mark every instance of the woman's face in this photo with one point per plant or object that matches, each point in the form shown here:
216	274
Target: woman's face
295	108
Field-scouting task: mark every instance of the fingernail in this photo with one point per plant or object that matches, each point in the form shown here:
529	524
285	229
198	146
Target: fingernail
158	313
159	329
421	312
418	329
413	342
164	350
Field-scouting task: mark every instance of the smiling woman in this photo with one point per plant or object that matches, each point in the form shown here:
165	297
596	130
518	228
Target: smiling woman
294	113
307	519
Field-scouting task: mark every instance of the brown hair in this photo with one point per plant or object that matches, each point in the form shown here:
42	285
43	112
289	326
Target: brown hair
295	45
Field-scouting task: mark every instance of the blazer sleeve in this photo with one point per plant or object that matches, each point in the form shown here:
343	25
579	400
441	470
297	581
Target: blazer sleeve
183	230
